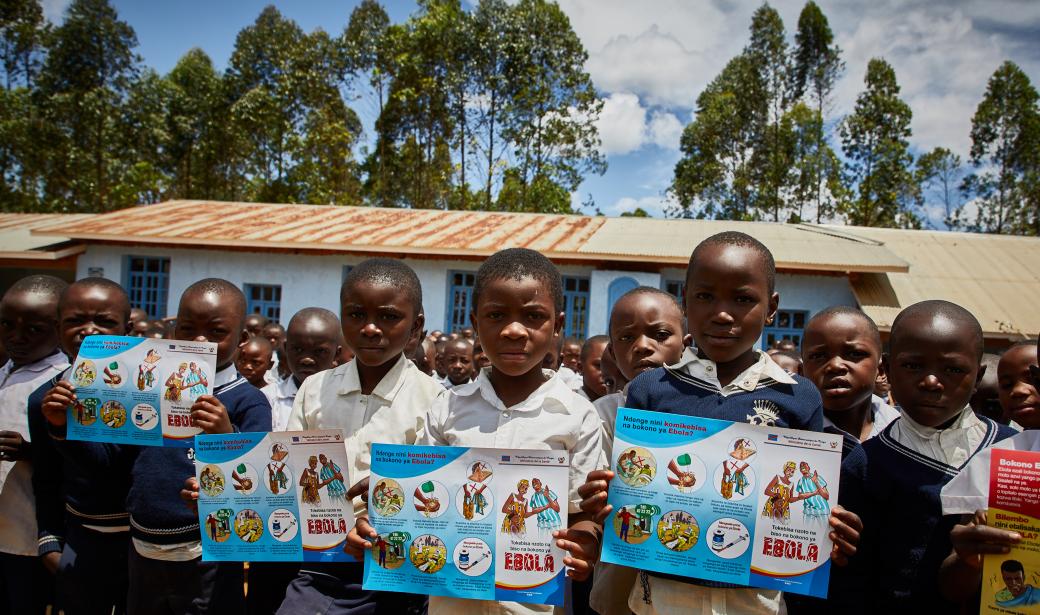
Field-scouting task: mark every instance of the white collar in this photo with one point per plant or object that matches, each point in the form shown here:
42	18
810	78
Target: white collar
387	387
55	359
880	412
225	376
553	389
706	370
287	389
965	420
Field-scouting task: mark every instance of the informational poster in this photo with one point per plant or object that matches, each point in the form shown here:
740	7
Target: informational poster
468	522
135	390
730	502
273	497
1011	581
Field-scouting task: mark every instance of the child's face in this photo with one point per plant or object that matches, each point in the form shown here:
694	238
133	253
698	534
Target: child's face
728	302
841	357
378	321
253	362
788	364
932	368
592	369
458	361
211	317
645	333
570	356
28	326
276	335
89	310
1018	395
311	347
480	360
613	381
254	324
517	324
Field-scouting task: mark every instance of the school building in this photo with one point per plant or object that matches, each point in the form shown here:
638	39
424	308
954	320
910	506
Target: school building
287	257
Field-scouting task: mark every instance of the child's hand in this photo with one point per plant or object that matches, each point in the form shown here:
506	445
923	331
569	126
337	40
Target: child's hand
357	539
974	539
208	413
359	488
583	546
13	447
594	495
51	561
190	493
56	403
846	527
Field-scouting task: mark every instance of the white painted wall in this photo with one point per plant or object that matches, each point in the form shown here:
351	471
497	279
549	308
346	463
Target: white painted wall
599	286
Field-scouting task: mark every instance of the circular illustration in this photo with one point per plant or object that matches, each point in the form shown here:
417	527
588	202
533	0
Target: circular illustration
113	374
86	410
211	480
282	525
388	550
84	374
729	538
244	479
734	479
144	417
634	524
472	557
248	525
431	499
113	414
636	467
474	501
277	474
146	377
428	553
678	530
387	497
686	473
217	526
480	472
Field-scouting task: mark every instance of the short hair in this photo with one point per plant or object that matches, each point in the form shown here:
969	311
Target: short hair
945	309
386	272
261	341
39	284
315	313
517	264
275	325
1012	565
645	290
221	288
587	346
104	284
847	310
790	354
740	240
264	321
462	341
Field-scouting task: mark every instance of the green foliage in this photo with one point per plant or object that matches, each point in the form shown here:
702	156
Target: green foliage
940	174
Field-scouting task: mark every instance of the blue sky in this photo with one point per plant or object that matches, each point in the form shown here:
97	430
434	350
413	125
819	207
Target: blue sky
650	58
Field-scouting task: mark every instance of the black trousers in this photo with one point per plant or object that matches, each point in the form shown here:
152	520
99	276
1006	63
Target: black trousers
184	588
335	589
92	575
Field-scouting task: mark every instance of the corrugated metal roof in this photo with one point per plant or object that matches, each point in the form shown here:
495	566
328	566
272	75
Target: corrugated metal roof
996	277
17	240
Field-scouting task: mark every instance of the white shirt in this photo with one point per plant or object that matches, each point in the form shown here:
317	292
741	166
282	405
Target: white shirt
882	414
747	380
273	376
952	446
571	378
281	396
17	503
969	490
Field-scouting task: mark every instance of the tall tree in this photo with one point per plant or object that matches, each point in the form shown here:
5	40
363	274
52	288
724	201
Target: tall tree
767	51
492	28
875	142
22	33
940	173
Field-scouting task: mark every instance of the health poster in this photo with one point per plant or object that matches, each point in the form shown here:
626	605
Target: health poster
731	502
273	497
1011	581
468	522
134	390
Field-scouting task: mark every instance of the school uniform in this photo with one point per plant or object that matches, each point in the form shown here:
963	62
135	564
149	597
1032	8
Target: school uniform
571	378
394	413
881	415
763	394
281	395
23	580
969	490
894	482
553	417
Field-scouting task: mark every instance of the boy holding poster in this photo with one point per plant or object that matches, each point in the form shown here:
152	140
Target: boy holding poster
518	315
729	297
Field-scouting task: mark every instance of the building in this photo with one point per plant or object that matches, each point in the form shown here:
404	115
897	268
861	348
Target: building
287	257
23	254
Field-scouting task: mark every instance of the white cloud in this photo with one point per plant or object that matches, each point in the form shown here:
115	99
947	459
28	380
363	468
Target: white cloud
653	205
665	130
622	124
54	10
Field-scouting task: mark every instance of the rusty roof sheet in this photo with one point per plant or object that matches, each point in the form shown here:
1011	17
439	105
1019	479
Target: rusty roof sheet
17	240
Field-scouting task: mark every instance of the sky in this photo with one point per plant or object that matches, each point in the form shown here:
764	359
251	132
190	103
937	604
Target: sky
649	59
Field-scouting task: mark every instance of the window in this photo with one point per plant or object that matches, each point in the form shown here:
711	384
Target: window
460	299
265	299
576	305
787	325
618	287
147	281
675	288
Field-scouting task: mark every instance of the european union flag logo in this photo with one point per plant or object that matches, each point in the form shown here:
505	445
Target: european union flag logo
505	457
296	438
772	437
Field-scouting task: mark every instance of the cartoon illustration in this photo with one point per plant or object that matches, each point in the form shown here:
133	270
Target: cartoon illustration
812	491
277	477
729	538
681	474
195	381
388	498
218	525
86	410
626	522
333	477
515	510
113	414
632	523
636	467
211	480
85	373
426	501
112	376
678	530
545	501
146	370
474	502
175	384
241	479
1016	591
248	525
472	557
778	506
312	482
480	472
282	525
733	477
428	553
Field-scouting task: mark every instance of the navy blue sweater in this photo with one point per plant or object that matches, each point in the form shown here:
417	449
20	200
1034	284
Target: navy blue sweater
905	536
157	474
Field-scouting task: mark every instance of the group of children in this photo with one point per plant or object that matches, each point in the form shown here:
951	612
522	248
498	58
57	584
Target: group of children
113	529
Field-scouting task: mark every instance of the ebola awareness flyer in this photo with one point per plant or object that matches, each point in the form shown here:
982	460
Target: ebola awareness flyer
731	502
273	497
134	390
468	522
1011	581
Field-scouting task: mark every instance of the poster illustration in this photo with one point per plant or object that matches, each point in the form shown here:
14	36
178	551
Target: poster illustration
133	390
468	522
1011	581
273	497
731	502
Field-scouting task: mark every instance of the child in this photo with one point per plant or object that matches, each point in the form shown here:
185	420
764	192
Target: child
423	357
438	359
275	333
985	401
570	354
788	360
894	480
841	350
28	328
254	324
166	570
84	530
518	315
613	381
729	298
591	361
480	359
379	396
458	362
254	360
